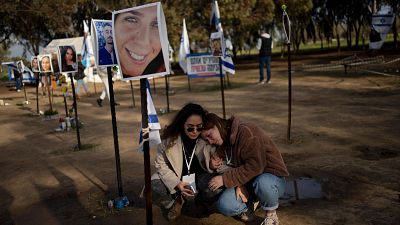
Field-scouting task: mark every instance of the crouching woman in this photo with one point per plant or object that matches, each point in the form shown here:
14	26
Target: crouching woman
179	161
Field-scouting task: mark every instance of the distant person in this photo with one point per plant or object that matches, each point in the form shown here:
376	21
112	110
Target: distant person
137	39
18	76
106	53
103	74
79	77
264	45
68	59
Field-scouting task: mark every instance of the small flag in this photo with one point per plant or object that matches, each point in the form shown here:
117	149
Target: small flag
184	48
154	125
215	17
87	49
227	62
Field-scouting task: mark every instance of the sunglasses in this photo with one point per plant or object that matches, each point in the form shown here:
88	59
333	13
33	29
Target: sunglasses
191	129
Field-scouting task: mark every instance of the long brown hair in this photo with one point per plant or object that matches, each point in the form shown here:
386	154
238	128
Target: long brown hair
176	127
223	126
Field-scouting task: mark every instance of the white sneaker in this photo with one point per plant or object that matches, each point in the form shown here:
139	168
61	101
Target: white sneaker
269	82
271	219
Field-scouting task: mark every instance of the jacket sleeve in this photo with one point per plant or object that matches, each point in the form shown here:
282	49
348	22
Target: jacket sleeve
164	169
251	158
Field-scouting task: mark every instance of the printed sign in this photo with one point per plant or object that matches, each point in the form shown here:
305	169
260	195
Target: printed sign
202	65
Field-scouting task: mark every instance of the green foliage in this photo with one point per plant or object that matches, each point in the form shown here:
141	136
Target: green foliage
50	112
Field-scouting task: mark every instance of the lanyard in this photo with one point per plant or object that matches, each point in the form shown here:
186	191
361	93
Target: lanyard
228	160
188	164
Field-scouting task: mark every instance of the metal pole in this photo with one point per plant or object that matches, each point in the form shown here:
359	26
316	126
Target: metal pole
290	93
115	131
146	151
167	90
154	85
37	92
47	77
133	94
26	99
222	87
65	105
76	112
189	83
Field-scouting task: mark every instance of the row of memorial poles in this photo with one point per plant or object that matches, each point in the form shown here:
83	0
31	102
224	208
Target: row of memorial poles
218	51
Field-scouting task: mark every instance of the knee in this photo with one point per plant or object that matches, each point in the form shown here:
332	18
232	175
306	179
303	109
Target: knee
268	185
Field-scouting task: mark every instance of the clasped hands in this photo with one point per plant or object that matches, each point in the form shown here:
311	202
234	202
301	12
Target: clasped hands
217	182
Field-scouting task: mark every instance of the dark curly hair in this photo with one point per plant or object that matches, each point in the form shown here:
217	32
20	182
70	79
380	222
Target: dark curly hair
176	127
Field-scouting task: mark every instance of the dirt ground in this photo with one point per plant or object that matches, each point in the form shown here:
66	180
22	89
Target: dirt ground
345	133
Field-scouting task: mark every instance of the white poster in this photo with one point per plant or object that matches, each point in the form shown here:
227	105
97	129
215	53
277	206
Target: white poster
104	43
202	65
141	41
67	59
217	44
45	65
34	64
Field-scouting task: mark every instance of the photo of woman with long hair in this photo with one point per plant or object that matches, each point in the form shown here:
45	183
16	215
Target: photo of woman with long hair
68	59
138	41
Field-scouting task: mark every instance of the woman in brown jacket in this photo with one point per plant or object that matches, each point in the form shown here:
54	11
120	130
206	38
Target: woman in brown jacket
258	166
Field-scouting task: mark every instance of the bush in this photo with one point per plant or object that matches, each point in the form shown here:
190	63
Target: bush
50	112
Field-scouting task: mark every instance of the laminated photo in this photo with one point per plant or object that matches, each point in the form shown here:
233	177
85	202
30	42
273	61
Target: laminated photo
141	41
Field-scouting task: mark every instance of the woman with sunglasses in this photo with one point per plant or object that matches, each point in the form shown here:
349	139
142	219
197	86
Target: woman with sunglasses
180	160
257	165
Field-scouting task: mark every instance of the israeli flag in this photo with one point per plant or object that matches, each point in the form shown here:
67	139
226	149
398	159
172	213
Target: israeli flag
381	23
215	17
154	124
227	62
87	49
184	48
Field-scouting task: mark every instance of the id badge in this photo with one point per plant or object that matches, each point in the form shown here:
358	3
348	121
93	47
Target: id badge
191	180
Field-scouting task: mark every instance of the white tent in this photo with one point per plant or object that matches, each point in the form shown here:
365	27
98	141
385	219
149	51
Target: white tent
52	46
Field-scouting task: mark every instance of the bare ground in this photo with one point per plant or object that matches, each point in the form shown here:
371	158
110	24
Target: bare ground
345	133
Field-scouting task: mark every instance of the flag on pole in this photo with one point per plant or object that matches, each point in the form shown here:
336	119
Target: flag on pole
381	23
154	125
184	48
227	62
215	17
87	49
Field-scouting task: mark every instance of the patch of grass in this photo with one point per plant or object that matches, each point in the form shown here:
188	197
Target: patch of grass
4	78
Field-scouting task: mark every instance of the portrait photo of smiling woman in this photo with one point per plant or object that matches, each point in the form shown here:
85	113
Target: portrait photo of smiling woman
140	41
68	59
